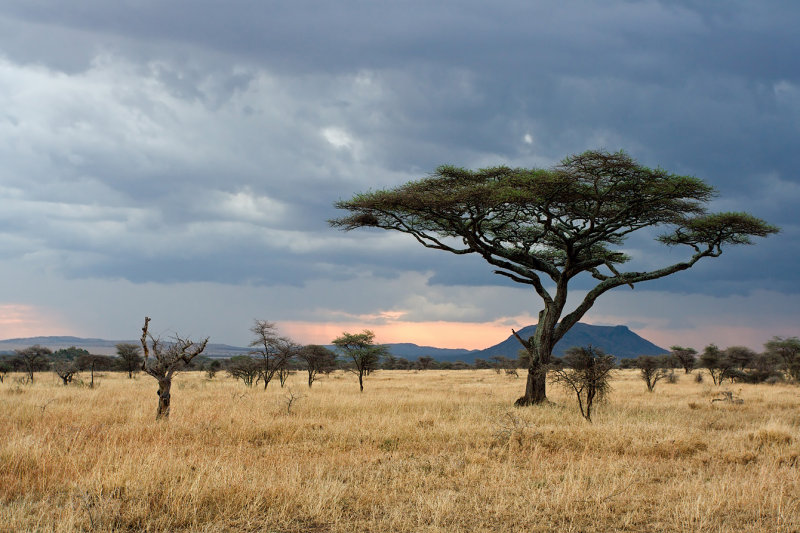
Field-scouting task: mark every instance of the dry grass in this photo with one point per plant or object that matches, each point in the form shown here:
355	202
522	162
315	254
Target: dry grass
428	451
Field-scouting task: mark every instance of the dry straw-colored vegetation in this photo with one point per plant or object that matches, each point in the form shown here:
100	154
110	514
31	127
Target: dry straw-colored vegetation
427	451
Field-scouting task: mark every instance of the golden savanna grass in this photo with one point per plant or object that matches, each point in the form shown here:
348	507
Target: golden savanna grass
422	452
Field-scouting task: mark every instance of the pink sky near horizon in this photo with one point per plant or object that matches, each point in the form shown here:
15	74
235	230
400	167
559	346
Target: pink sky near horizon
477	336
20	321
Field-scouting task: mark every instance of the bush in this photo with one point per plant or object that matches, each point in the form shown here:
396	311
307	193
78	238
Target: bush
653	369
587	372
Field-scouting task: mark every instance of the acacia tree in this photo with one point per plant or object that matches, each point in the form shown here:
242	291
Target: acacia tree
245	368
717	363
652	370
545	227
130	357
686	357
788	351
362	351
740	356
317	359
168	359
33	359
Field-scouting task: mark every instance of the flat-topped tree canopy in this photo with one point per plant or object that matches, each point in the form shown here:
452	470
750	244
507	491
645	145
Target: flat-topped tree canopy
553	224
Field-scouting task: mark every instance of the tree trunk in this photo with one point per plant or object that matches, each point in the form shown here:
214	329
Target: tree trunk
540	350
361	380
535	391
310	378
164	384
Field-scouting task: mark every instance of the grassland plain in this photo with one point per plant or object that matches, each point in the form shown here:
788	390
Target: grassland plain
423	452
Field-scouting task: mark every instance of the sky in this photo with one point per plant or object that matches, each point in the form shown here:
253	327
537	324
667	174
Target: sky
179	159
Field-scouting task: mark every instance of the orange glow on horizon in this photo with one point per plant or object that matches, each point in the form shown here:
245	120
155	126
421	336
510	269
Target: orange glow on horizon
469	336
477	336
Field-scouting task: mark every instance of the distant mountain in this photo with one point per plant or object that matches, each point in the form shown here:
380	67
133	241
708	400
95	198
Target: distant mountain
615	340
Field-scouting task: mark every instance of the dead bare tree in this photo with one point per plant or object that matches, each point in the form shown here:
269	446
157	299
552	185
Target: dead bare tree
168	358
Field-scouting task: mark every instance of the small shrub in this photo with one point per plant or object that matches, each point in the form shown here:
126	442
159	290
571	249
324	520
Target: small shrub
698	378
653	369
587	372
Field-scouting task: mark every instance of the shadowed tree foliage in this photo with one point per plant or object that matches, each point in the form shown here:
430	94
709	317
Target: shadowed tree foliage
69	354
5	368
363	353
316	359
686	357
33	359
545	227
390	362
168	359
425	362
586	371
740	356
652	370
787	350
130	358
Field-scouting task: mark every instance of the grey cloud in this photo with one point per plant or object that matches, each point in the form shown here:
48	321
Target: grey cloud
173	115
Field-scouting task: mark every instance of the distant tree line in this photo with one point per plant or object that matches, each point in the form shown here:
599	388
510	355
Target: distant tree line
275	356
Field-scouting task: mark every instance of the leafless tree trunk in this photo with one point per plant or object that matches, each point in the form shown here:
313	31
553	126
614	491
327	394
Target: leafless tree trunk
166	362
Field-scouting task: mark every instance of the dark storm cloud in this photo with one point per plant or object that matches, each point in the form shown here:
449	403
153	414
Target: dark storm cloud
217	135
